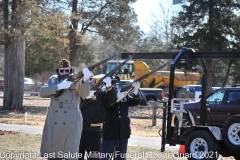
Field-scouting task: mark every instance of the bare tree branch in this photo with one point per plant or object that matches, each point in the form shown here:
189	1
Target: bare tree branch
90	23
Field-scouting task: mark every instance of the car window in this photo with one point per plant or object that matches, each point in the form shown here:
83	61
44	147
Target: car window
129	66
216	98
110	67
233	97
198	88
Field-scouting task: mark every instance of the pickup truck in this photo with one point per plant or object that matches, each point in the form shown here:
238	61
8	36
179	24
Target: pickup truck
221	105
146	94
223	111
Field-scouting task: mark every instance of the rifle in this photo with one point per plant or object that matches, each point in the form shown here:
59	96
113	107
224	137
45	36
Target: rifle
100	82
140	79
110	74
79	75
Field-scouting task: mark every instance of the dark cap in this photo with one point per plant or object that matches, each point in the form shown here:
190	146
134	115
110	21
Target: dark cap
115	80
64	63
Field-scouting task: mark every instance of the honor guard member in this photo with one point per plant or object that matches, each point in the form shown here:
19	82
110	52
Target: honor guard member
93	116
63	125
116	125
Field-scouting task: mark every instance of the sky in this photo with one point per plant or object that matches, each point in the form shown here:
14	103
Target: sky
145	8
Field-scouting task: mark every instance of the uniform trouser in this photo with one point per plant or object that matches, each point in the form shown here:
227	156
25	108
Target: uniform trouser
90	143
115	149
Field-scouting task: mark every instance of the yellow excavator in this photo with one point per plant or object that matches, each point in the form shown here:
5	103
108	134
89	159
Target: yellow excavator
160	79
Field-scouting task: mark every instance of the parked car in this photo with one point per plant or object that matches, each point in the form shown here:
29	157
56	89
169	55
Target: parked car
194	91
155	94
1	84
28	84
222	105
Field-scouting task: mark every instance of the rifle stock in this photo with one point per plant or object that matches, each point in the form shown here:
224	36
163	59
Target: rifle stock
79	75
100	82
140	79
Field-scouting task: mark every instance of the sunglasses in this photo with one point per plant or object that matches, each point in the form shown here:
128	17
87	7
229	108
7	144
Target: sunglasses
64	70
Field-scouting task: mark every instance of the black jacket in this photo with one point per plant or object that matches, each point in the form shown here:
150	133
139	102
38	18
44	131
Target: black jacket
116	125
93	112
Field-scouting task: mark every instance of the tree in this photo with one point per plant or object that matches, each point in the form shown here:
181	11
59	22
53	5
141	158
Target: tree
112	20
161	34
207	26
14	53
150	44
46	40
161	28
107	23
235	23
42	25
17	19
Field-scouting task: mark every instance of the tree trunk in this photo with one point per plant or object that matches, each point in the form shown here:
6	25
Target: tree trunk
73	34
14	73
14	57
209	75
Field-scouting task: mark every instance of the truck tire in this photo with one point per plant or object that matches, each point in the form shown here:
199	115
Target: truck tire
231	133
182	93
165	91
200	144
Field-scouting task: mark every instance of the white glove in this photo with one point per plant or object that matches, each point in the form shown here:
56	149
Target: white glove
87	74
91	94
121	95
136	86
107	80
64	84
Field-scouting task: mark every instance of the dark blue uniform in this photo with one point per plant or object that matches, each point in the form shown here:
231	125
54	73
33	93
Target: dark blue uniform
93	116
116	127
